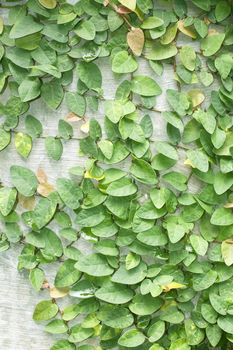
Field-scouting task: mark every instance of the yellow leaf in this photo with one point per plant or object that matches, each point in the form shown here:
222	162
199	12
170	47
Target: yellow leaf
170	34
1	25
97	330
26	202
228	205
48	4
130	4
188	162
185	30
85	127
58	293
135	40
173	285
196	97
23	144
45	189
88	175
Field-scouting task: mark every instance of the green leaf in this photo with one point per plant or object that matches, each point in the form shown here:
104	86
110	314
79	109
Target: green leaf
178	101
194	335
70	193
222	183
132	276
33	126
67	274
121	188
204	281
206	78
143	305
94	265
115	316
227	252
65	130
7	200
143	172
29	89
56	327
114	293
188	57
203	5
222	10
24	26
54	147
90	74
79	334
132	260
171	314
199	244
222	217
214	334
177	228
52	93
180	344
86	30
167	150
154	237
224	64
145	86
123	63
24	180
62	344
106	148
212	43
5	138
42	214
156	52
156	331
76	103
114	110
45	310
131	338
198	159
23	144
226	323
49	4
91	217
152	22
201	27
37	278
130	4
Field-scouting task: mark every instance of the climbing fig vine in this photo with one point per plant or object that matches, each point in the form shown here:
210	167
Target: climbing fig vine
154	213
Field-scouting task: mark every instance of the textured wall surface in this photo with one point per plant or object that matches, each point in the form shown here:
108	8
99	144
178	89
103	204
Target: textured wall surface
17	298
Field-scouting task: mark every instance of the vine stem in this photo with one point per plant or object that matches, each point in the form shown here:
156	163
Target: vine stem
114	7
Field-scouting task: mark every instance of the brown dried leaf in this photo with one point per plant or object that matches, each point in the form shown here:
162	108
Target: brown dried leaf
72	117
41	176
122	10
135	40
